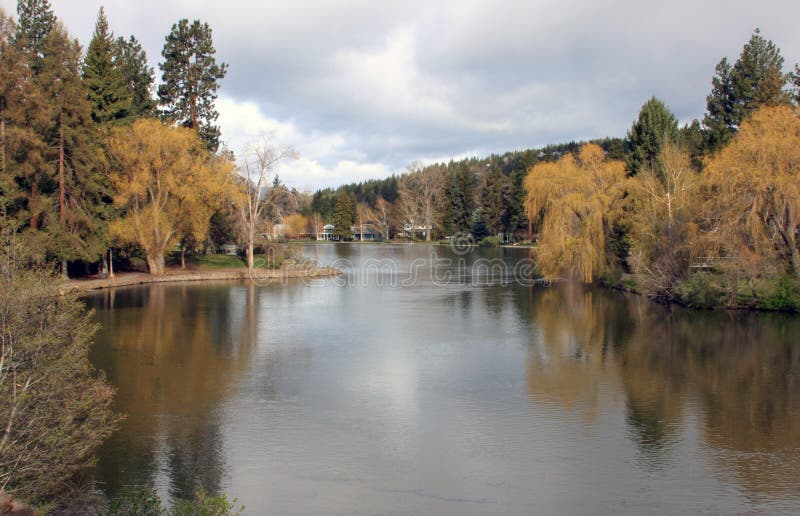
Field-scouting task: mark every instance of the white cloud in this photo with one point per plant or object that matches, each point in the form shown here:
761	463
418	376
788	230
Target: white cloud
321	163
362	87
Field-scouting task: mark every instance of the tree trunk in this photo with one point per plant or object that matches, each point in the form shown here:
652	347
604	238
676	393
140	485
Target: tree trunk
110	264
155	264
250	260
183	257
62	190
3	136
32	202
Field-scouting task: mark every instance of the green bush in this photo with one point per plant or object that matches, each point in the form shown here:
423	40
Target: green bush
700	291
489	241
785	296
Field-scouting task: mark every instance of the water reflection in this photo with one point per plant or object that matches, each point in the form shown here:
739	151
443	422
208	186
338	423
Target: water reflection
173	357
466	396
740	373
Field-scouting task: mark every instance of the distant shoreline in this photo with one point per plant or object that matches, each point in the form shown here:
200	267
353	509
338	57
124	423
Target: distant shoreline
126	279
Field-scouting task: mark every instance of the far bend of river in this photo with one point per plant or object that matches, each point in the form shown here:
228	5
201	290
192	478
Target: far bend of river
398	388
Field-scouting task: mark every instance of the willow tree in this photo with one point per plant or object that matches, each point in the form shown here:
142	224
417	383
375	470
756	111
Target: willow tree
574	201
753	189
164	180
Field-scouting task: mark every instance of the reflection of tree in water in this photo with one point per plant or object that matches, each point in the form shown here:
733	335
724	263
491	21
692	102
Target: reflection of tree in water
744	371
654	379
568	360
741	372
173	358
747	369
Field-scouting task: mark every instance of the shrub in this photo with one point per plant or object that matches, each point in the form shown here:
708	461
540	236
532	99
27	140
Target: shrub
700	291
490	241
55	408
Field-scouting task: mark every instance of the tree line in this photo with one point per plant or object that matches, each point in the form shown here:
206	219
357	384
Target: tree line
705	214
718	196
73	184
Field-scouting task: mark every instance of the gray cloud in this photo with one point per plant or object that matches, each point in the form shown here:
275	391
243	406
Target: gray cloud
367	87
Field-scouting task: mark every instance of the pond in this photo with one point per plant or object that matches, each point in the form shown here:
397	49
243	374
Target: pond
427	380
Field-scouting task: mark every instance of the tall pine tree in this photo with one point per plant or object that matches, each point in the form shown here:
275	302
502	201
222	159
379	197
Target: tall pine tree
36	20
756	79
76	230
109	97
646	138
137	76
24	118
344	215
191	78
459	190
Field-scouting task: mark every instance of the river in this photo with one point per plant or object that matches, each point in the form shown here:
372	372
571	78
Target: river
431	381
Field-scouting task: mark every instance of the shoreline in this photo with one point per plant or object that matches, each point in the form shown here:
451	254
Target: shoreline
127	279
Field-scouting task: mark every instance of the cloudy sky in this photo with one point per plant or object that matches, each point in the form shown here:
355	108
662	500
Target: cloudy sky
363	87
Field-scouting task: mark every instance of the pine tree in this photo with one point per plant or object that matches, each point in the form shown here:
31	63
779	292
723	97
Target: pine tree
344	215
191	78
655	124
137	76
496	199
756	79
24	118
76	230
36	20
108	95
460	194
795	79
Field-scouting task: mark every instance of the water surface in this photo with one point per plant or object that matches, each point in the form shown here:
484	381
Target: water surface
417	385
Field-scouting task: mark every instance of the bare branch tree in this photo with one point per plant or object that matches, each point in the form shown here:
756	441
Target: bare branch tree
257	164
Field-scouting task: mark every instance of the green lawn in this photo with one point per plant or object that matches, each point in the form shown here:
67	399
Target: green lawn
215	261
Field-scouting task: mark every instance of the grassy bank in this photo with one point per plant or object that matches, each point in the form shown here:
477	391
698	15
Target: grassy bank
716	291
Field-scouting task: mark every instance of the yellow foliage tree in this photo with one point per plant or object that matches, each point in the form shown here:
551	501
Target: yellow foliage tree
166	182
296	225
662	202
575	202
752	188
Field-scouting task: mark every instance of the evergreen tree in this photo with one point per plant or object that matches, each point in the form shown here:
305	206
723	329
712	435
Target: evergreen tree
108	95
756	79
692	139
655	124
76	230
137	76
344	215
191	79
496	200
36	20
460	194
795	78
24	118
479	228
516	207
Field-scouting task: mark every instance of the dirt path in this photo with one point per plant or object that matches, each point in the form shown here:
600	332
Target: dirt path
125	279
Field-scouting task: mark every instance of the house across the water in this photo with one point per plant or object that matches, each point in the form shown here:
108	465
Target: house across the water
326	233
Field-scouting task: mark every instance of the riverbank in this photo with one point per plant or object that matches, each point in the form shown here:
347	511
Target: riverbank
126	279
